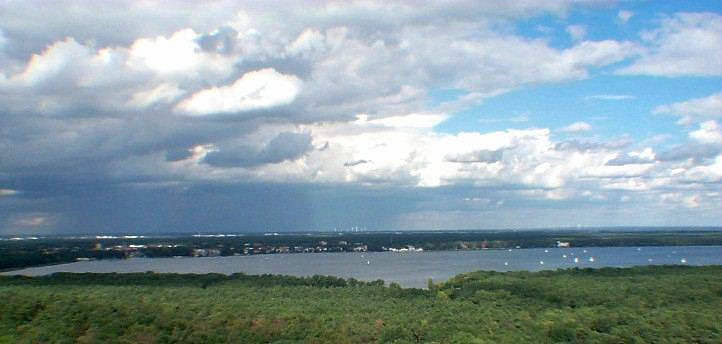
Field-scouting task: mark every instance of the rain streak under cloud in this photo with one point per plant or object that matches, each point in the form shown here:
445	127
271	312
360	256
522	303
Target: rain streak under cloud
244	116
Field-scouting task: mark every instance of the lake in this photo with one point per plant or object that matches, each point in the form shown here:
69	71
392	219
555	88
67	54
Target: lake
409	269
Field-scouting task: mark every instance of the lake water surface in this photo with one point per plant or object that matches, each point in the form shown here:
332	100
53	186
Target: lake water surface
410	269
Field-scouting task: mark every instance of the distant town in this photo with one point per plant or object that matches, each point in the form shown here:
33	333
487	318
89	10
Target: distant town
247	248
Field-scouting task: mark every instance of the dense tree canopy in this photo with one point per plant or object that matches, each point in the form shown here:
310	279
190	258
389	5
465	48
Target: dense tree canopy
656	304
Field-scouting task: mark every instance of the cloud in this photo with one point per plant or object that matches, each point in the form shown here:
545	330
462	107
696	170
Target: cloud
179	53
31	26
29	222
222	40
308	43
286	146
587	145
344	69
419	121
691	201
255	90
59	59
695	151
69	78
482	156
8	192
576	127
625	15
577	32
599	53
625	159
694	110
711	173
178	103
32	221
163	93
420	158
3	40
354	163
686	44
100	106
708	132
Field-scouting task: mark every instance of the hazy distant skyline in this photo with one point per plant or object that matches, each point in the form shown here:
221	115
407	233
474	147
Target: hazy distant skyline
227	116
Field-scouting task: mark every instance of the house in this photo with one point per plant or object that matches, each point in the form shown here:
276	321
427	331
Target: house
361	248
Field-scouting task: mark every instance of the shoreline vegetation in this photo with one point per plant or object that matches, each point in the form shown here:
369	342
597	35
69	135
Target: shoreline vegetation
646	304
18	253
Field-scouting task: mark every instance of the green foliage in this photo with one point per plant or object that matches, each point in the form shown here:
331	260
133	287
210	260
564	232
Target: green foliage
656	304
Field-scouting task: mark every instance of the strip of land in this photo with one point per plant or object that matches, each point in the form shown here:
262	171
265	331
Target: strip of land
22	252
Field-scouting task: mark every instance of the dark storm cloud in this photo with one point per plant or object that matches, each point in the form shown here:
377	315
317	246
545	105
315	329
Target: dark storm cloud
42	142
208	207
285	146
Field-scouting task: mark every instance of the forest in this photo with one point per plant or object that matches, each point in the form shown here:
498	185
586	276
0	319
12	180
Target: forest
651	304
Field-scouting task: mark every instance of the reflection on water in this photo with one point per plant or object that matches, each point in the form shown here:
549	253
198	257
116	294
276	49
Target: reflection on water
410	269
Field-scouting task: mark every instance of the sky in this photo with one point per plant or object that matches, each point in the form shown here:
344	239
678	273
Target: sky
233	116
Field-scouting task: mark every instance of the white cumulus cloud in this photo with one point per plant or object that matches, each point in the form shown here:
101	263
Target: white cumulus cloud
687	44
599	53
694	110
255	90
577	32
708	132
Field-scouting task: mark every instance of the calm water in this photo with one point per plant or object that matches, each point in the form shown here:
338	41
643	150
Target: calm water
410	269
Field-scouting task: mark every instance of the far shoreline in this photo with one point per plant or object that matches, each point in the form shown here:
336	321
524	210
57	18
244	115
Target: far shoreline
19	254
